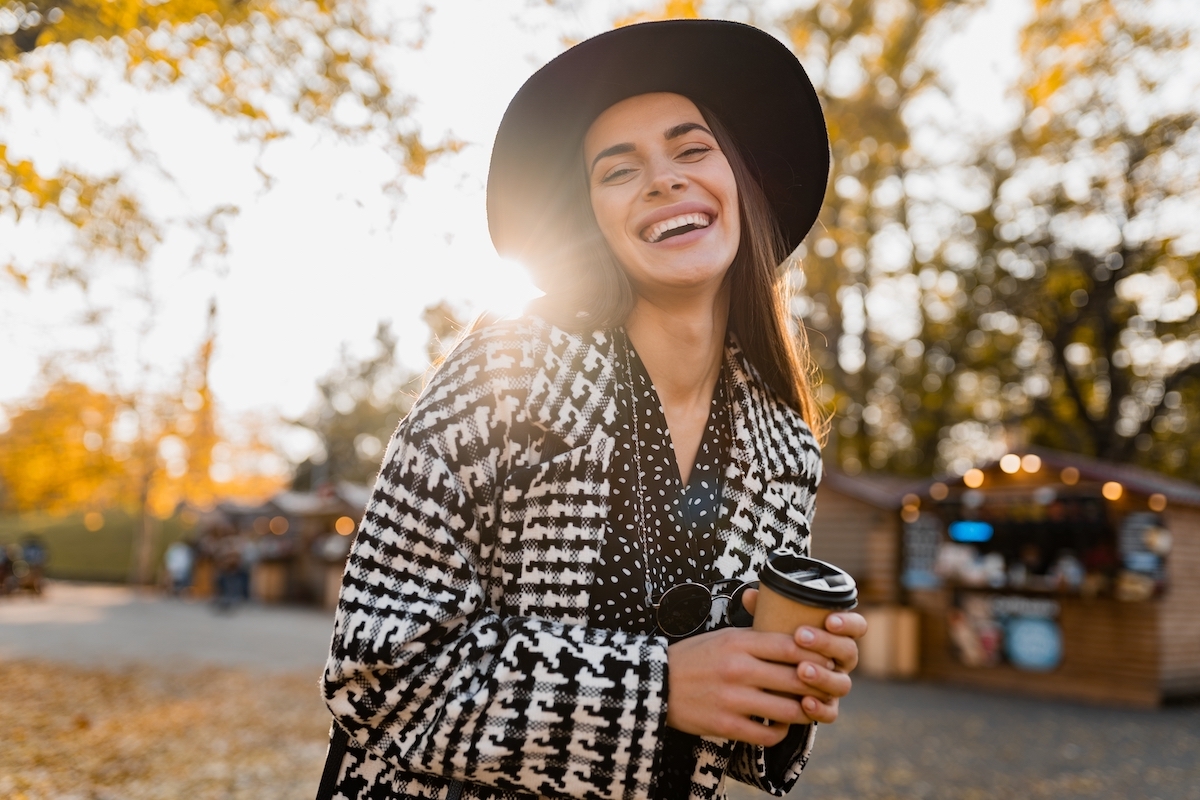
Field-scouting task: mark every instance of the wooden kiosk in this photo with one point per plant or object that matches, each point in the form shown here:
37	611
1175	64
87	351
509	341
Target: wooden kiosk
1053	574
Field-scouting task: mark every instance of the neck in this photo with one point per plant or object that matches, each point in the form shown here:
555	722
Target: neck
682	345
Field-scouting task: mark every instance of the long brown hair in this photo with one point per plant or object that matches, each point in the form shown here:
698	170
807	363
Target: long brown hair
586	288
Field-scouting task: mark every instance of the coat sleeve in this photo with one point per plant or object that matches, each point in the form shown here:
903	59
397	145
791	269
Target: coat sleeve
424	673
774	770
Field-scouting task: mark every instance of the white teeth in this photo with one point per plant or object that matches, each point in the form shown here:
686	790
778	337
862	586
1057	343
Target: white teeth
655	232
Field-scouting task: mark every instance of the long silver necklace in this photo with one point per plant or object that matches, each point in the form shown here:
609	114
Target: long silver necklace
640	521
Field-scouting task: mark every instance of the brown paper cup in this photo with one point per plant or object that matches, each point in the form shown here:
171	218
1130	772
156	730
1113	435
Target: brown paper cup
778	614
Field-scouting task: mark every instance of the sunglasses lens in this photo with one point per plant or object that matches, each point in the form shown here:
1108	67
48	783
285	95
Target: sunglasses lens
739	617
684	609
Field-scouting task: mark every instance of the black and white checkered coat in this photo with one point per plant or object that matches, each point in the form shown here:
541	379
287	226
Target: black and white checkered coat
461	647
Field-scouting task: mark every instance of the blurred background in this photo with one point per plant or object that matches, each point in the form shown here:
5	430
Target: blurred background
235	233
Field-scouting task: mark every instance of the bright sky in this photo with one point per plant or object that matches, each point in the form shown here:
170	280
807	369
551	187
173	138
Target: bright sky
317	261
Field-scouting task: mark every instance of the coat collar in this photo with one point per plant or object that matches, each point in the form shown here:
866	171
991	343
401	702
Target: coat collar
573	395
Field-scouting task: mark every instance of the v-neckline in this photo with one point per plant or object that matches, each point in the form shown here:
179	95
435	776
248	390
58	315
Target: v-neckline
717	403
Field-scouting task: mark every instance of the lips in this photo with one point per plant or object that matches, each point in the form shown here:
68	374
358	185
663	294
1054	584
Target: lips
675	226
675	220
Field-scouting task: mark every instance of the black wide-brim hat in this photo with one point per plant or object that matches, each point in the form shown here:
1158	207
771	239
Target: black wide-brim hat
746	77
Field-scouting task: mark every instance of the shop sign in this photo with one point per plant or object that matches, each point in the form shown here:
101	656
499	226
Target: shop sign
922	537
987	630
1144	546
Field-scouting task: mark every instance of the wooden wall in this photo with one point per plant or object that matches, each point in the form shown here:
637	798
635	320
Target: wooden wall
1109	653
1179	620
861	539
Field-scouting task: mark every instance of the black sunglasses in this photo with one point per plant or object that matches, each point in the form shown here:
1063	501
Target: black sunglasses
683	609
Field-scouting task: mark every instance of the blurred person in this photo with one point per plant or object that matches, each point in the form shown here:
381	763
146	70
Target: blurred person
7	581
229	569
179	561
506	625
34	555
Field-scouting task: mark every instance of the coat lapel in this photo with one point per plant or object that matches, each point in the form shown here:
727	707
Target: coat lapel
554	512
573	393
771	481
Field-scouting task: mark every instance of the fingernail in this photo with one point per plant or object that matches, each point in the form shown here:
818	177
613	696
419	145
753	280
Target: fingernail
834	623
807	636
810	671
810	704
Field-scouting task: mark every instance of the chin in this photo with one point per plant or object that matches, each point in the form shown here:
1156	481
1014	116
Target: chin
684	276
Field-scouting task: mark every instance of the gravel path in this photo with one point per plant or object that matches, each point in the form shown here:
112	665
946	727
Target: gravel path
893	740
95	625
925	741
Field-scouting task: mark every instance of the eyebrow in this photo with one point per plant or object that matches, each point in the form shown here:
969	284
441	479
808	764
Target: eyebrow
672	133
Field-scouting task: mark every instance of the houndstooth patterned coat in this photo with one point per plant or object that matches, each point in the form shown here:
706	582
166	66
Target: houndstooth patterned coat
461	647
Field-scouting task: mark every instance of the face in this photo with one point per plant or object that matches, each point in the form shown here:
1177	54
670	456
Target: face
663	193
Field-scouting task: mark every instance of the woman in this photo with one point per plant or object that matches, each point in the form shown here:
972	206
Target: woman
511	621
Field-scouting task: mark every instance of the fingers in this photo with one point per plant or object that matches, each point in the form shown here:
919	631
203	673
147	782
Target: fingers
847	623
823	684
820	711
750	600
843	650
717	684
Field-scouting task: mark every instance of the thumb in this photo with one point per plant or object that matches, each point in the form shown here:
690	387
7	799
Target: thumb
750	600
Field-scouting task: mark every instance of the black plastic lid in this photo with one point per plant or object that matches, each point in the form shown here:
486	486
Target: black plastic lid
809	581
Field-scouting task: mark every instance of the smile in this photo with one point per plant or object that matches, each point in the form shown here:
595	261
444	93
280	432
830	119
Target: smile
675	226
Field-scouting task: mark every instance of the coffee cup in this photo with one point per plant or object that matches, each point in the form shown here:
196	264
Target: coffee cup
796	590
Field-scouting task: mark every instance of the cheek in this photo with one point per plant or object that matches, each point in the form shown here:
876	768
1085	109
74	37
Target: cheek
608	219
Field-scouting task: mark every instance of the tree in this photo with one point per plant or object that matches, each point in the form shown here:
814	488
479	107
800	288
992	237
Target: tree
268	65
860	276
1049	298
271	67
52	456
75	449
1086	246
360	403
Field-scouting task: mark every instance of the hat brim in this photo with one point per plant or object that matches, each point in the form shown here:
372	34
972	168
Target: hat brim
750	80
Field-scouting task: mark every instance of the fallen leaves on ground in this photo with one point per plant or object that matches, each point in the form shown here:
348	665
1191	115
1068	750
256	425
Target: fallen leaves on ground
147	733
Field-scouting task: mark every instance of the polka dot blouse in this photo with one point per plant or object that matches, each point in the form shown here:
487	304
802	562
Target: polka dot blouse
680	522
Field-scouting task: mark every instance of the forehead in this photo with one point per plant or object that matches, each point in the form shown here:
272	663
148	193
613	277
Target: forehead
638	117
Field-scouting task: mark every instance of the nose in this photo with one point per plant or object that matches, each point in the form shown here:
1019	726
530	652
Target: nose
664	178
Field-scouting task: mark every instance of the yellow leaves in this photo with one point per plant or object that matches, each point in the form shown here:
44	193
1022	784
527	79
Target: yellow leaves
159	732
49	457
113	19
801	36
1045	85
22	187
75	449
1067	39
672	9
21	278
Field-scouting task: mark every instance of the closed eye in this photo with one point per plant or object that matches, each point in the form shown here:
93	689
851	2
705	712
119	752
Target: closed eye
697	152
617	174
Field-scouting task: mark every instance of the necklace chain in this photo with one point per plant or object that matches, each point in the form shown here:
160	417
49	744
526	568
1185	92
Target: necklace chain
640	521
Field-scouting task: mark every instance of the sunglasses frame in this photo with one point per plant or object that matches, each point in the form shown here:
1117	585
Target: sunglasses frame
713	596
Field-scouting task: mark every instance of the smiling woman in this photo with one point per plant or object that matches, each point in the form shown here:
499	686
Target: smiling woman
507	621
